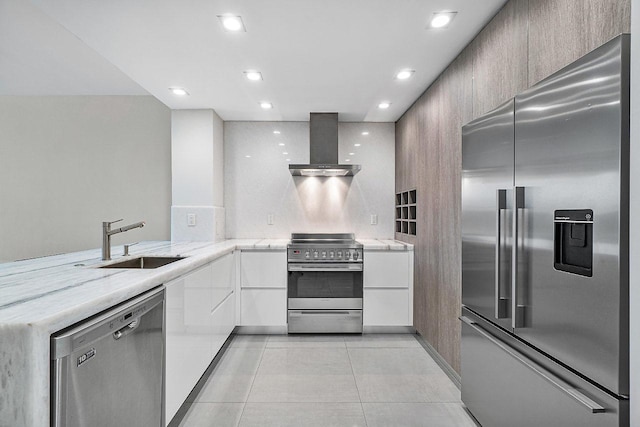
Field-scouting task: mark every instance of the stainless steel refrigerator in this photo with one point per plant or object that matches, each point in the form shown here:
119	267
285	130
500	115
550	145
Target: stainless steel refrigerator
545	213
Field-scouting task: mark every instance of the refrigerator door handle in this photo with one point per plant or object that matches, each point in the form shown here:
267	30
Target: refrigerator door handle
517	307
501	303
585	401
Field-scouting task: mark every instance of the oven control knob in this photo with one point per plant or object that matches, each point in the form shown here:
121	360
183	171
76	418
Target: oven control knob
306	255
331	254
315	254
346	255
355	255
324	254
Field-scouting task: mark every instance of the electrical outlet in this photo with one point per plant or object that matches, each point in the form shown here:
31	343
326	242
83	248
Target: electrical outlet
270	219
191	220
374	219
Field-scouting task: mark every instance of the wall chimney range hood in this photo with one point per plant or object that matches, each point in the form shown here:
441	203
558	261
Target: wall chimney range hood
323	149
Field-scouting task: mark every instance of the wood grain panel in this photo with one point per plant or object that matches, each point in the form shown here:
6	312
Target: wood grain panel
500	58
494	67
561	31
429	177
456	106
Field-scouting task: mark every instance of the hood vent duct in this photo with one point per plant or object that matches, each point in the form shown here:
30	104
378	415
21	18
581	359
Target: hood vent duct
323	149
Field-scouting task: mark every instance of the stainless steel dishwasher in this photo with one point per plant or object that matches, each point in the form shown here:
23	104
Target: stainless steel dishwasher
108	370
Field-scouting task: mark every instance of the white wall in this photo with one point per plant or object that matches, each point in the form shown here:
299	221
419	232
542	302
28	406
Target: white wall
67	163
197	167
261	185
634	231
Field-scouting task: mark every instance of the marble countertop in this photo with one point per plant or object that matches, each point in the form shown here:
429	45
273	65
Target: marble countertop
43	295
63	289
385	245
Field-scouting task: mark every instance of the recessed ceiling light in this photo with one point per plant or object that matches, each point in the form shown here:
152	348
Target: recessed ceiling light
356	145
384	105
266	105
281	144
347	160
285	153
253	75
276	132
404	74
288	160
352	154
232	23
365	133
441	19
180	91
247	156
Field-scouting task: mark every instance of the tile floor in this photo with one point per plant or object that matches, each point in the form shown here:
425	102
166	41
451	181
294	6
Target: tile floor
318	380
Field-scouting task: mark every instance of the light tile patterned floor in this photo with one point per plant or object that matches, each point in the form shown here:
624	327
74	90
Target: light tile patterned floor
319	380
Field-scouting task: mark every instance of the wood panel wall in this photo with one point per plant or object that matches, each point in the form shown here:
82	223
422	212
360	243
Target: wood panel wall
525	42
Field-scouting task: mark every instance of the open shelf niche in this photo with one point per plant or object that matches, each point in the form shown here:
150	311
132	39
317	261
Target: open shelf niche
406	215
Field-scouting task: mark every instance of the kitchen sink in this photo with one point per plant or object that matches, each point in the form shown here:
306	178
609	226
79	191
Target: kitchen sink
144	262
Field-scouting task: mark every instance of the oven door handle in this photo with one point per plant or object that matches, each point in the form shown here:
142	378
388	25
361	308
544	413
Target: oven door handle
305	313
324	267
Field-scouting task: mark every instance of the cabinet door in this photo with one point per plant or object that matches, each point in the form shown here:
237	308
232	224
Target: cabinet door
264	307
188	335
386	307
264	269
386	269
223	320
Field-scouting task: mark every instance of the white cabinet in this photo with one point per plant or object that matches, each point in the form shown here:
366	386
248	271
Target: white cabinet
263	298
200	315
388	288
385	269
264	269
264	307
386	307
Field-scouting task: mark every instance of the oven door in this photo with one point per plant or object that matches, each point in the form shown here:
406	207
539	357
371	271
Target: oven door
325	286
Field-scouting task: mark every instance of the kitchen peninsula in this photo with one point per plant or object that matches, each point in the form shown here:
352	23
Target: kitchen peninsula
41	296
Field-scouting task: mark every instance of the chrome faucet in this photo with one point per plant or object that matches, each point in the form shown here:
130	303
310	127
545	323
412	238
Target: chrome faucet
107	232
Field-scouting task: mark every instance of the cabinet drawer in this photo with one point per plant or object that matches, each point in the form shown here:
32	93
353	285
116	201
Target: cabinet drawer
223	272
264	269
386	269
386	307
263	307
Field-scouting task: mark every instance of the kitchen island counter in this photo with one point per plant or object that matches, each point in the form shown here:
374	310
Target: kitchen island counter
43	295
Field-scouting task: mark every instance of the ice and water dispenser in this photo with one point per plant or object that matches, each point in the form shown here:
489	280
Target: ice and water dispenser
573	241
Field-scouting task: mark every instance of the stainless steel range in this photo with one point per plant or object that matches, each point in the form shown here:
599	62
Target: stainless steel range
324	283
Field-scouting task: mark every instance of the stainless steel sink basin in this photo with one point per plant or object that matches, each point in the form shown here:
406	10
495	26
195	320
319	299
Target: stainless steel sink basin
144	262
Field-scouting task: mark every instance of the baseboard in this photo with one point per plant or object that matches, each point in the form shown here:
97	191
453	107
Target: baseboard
282	330
261	330
388	330
451	373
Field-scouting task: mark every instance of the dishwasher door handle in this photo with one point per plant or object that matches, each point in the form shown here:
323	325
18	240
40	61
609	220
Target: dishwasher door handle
126	330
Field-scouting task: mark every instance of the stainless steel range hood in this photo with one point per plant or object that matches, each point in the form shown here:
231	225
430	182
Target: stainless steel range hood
323	149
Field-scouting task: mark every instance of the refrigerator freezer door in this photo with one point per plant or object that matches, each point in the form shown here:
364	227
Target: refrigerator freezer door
506	384
571	153
487	182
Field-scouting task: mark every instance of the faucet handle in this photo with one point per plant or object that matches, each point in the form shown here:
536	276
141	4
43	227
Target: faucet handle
108	223
126	248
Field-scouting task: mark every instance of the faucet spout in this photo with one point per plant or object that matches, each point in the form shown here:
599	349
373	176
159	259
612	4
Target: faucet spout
107	232
127	227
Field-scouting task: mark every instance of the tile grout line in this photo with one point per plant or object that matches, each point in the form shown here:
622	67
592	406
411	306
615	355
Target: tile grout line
356	383
254	380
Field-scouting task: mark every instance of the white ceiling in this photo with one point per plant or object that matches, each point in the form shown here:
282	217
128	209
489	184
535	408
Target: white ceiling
314	55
